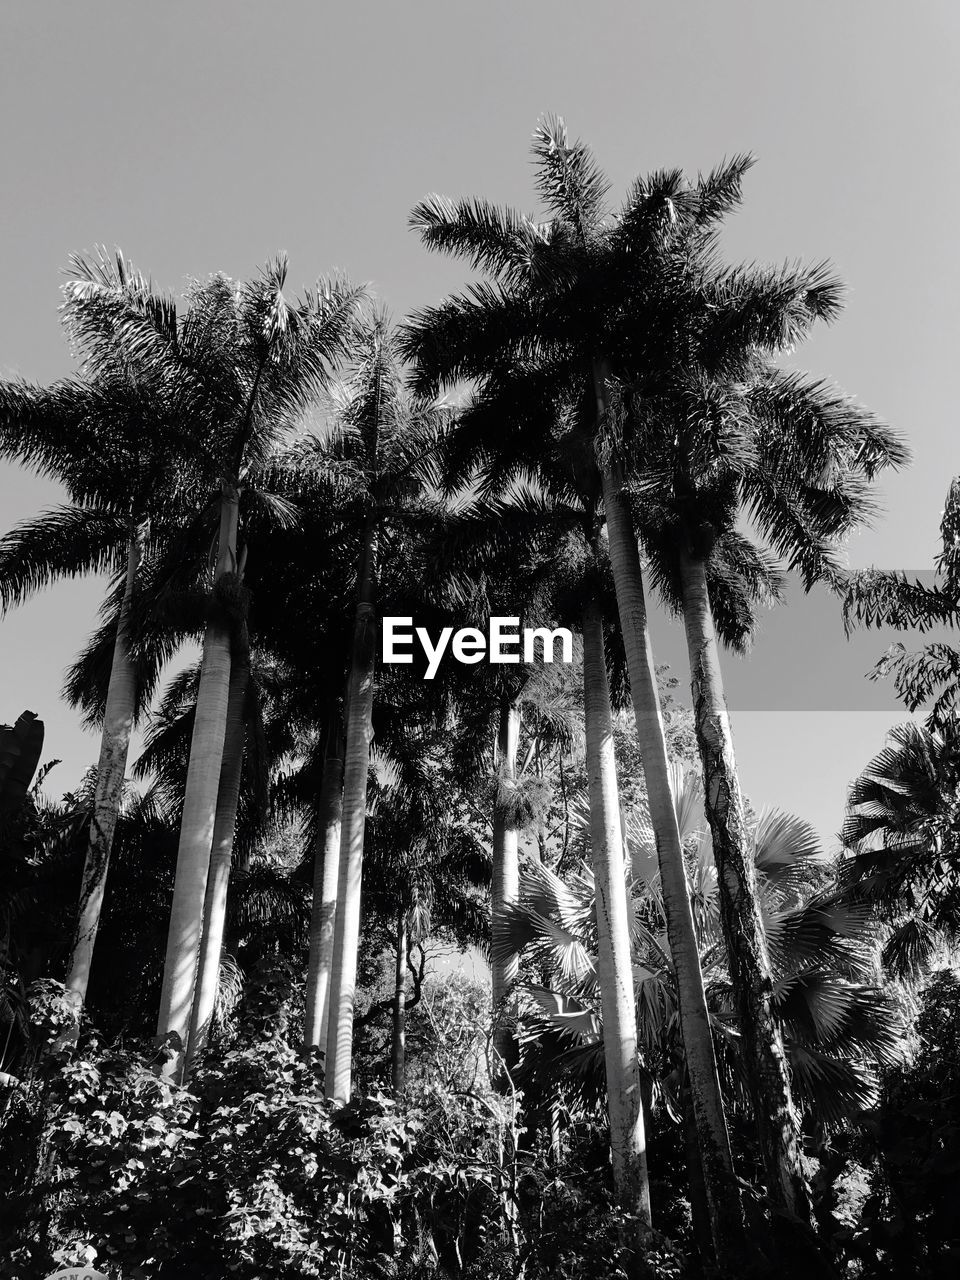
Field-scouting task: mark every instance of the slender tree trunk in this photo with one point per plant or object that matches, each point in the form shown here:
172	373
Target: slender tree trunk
111	771
504	892
326	877
746	945
346	940
224	829
723	1195
398	1054
615	966
199	805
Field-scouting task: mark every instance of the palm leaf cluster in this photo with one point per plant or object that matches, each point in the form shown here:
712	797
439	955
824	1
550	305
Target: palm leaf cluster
839	1024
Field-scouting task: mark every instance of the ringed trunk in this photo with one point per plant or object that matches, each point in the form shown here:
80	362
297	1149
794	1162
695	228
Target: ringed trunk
615	966
118	721
224	829
346	940
746	945
504	891
199	807
326	876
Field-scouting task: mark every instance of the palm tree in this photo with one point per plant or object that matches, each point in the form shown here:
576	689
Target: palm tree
552	527
839	1027
558	284
733	435
300	614
899	835
614	970
389	445
244	364
641	300
326	879
106	436
221	850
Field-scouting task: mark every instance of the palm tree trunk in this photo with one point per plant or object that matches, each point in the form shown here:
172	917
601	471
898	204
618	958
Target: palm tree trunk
199	806
326	877
723	1195
504	891
746	945
398	1043
346	939
699	1204
615	968
224	828
111	771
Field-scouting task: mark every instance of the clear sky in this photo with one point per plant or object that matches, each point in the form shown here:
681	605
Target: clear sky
206	135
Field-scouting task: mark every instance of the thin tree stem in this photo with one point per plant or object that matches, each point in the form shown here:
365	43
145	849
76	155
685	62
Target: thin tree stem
746	945
615	968
326	878
225	824
722	1191
346	942
504	890
118	721
199	808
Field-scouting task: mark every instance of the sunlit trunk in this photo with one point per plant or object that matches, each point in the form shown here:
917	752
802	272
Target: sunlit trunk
359	733
118	721
326	877
746	946
199	802
722	1191
615	967
224	829
398	1048
504	890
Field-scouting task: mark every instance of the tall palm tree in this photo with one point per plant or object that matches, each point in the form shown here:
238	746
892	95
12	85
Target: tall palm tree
244	364
300	614
108	438
552	526
728	436
221	849
389	445
564	288
642	298
326	879
614	969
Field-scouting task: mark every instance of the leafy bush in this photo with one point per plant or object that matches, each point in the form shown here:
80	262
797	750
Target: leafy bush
252	1174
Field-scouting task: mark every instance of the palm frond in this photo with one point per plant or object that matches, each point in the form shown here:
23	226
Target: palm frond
492	239
567	177
63	542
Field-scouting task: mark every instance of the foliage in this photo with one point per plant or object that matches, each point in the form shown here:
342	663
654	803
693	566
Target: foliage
253	1173
909	1146
900	836
875	597
836	1022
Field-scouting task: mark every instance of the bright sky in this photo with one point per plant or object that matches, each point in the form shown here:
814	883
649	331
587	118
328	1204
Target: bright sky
204	135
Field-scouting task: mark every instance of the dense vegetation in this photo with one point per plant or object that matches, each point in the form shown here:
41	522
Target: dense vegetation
236	1039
